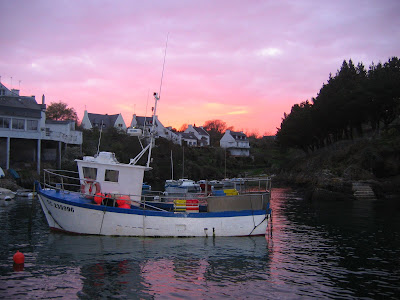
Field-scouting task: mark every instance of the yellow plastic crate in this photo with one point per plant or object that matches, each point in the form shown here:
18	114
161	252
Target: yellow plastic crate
231	192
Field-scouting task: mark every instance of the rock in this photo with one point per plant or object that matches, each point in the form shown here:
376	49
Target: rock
10	184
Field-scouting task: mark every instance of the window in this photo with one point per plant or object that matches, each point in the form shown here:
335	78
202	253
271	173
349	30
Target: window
18	124
90	173
5	122
32	125
111	175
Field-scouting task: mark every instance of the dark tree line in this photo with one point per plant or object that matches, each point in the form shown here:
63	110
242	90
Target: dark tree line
345	105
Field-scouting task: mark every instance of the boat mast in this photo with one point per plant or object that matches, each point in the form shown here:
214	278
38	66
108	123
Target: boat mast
172	167
153	127
183	161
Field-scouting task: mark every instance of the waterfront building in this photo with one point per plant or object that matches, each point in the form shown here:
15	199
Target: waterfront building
25	134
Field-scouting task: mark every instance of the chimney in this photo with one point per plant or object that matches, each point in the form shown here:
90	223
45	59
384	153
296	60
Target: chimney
43	99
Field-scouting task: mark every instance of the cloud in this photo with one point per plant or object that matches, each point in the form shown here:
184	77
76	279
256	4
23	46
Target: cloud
238	112
271	52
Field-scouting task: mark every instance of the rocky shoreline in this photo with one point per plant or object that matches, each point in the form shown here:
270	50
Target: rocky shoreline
335	173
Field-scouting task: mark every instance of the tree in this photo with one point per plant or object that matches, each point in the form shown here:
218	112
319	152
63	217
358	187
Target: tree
215	125
216	129
297	128
59	111
183	127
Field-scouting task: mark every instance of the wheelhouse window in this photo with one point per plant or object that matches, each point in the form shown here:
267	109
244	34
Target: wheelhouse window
32	125
5	122
90	173
18	124
111	175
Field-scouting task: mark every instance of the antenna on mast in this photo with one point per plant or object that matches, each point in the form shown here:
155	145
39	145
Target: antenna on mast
98	145
152	130
162	73
156	98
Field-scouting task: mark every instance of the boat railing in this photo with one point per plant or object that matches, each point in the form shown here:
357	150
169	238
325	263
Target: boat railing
69	181
61	179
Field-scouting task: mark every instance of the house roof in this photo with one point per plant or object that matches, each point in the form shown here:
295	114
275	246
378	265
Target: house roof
200	130
97	119
238	135
20	106
188	136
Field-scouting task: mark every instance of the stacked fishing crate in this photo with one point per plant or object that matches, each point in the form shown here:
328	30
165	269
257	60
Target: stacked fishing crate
190	206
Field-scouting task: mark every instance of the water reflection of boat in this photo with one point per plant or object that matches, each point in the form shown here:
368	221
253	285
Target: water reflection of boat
106	198
147	267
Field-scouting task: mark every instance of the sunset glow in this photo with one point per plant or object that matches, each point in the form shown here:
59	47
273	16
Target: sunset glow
243	62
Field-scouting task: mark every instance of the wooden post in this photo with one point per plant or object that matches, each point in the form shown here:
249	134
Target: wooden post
59	155
8	153
38	156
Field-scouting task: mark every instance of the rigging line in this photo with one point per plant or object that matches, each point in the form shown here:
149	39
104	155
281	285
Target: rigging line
102	220
162	73
265	218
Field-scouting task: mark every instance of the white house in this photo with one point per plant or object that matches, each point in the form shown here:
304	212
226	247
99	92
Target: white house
26	134
90	121
146	123
203	138
236	143
189	139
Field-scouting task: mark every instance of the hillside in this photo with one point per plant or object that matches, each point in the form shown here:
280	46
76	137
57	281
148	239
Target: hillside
373	159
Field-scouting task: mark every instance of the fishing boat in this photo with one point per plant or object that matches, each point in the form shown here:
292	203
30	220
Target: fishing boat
105	197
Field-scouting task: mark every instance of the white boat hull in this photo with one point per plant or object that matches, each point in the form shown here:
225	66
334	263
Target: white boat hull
87	218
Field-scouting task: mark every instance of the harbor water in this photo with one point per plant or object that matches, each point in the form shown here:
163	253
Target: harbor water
330	250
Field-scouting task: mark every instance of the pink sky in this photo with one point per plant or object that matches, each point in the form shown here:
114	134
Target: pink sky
244	62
